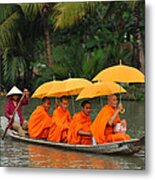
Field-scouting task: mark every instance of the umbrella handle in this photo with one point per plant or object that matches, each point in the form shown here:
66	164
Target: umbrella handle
122	111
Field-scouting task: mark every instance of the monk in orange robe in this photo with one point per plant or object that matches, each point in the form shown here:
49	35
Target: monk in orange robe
103	127
79	131
60	122
40	121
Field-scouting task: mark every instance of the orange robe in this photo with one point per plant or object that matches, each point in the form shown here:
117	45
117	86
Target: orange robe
79	122
39	123
102	132
60	124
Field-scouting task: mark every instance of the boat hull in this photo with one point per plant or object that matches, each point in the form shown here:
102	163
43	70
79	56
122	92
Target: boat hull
121	147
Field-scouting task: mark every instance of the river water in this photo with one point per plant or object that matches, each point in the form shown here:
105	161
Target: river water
19	154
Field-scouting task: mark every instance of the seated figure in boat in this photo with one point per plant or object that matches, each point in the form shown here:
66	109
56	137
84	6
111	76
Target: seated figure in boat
40	120
79	131
14	95
60	122
107	126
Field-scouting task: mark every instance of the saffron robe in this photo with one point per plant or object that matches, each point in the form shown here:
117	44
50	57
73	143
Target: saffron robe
60	125
39	123
102	132
82	122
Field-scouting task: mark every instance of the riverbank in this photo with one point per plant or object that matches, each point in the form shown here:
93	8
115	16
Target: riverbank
134	93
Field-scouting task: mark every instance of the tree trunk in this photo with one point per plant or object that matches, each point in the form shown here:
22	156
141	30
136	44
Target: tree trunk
0	74
47	37
138	36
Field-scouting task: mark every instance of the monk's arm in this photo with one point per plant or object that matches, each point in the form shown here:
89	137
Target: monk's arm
112	119
84	133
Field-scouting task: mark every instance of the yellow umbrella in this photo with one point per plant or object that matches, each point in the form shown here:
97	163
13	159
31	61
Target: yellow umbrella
71	86
100	89
43	90
120	73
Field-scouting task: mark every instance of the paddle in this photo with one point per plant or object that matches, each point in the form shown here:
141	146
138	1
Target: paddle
12	119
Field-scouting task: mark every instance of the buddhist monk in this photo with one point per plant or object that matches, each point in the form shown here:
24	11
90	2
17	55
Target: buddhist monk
104	126
79	131
40	120
60	122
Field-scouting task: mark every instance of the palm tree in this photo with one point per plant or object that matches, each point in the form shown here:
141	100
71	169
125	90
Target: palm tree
138	35
44	10
12	15
67	14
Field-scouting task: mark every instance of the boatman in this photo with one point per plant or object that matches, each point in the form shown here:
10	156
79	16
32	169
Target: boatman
40	120
79	131
14	95
105	126
60	122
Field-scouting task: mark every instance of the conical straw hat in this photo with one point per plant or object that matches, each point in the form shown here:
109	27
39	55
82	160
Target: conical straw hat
13	91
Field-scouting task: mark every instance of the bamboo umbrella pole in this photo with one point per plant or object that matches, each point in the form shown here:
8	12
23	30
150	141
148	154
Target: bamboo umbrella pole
72	98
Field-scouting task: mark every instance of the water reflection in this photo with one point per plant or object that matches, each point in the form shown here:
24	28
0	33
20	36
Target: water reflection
19	154
56	158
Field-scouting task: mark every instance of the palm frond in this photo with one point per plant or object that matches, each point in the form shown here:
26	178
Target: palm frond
31	10
9	17
132	4
6	10
96	60
13	66
69	13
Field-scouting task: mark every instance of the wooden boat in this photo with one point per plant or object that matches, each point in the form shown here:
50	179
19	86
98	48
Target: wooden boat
121	147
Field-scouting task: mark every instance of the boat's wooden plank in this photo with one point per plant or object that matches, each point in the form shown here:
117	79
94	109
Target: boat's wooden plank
121	147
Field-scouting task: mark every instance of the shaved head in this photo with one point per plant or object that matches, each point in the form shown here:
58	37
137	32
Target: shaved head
64	98
112	100
45	99
86	107
46	103
64	102
111	96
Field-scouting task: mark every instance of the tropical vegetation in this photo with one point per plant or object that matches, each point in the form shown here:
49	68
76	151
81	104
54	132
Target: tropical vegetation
44	41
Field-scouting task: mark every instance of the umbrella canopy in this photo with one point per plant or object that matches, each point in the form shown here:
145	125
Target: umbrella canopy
43	90
100	89
120	73
71	86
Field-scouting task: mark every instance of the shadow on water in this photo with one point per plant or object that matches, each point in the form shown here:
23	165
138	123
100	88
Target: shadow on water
19	154
67	159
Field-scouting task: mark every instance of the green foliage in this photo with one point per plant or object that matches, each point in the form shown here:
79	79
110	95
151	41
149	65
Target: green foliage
13	66
9	18
70	56
87	37
94	64
32	10
135	92
68	13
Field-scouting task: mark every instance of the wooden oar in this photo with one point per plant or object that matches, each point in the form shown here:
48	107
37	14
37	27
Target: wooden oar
12	119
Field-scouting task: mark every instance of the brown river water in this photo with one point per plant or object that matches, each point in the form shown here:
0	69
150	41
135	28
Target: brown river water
20	154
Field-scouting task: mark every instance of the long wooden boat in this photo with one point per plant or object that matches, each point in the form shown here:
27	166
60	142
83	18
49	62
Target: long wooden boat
121	147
